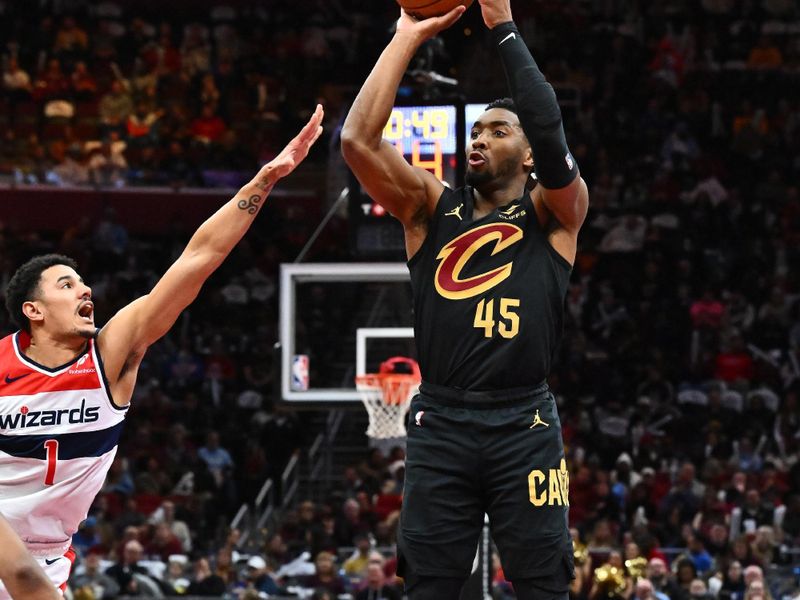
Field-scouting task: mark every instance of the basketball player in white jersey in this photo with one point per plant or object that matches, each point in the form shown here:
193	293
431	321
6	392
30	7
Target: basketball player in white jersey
21	574
65	386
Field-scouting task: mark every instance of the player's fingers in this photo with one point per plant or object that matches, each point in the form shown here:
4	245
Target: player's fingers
309	132
447	20
310	127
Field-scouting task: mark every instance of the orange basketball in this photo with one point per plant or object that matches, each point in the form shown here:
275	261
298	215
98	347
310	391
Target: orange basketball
422	9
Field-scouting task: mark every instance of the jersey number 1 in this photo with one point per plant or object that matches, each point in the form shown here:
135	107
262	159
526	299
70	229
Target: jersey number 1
51	449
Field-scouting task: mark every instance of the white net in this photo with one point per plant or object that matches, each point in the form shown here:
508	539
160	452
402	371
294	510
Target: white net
386	398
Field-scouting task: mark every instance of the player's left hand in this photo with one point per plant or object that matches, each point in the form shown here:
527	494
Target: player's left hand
293	154
495	12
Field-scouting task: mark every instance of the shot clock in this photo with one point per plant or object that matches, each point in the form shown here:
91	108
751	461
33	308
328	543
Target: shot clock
426	137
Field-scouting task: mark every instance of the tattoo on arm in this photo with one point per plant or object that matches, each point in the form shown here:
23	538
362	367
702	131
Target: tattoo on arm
251	205
265	183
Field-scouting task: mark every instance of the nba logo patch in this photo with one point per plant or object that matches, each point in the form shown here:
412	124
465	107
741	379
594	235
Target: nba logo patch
570	161
299	381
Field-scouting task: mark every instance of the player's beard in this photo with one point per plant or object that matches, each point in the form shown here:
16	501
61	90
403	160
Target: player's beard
481	179
478	179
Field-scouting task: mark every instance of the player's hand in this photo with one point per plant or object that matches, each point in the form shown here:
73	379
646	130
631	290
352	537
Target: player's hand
427	28
293	154
495	12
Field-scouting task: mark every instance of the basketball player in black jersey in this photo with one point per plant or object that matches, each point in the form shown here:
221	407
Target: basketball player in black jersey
489	265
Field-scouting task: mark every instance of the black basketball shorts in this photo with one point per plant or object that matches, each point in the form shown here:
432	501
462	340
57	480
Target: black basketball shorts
470	453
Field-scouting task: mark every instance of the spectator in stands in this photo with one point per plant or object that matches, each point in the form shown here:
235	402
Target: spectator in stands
166	514
757	591
627	235
277	550
388	501
356	565
163	543
217	459
754	584
732	582
698	554
764	55
106	167
325	575
119	479
261	576
747	456
141	125
643	590
89	575
82	83
208	128
71	41
87	536
195	51
685	574
209	93
323	534
51	84
16	82
204	582
734	363
351	522
376	588
755	513
152	479
179	453
175	580
698	590
116	105
686	493
224	565
707	311
73	170
125	571
660	578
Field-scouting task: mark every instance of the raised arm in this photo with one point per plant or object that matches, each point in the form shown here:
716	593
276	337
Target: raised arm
562	191
127	335
409	193
20	573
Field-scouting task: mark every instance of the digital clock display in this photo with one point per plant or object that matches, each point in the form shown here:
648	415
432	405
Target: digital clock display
426	136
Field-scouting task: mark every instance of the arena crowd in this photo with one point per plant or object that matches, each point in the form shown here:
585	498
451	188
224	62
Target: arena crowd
679	374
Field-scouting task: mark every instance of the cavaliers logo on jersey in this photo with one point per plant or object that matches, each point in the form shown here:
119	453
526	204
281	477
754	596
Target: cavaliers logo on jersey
456	254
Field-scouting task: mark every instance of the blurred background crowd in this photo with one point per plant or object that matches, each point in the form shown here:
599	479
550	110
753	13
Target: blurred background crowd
679	373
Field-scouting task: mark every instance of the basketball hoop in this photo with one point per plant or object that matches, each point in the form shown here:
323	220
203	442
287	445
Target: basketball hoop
386	395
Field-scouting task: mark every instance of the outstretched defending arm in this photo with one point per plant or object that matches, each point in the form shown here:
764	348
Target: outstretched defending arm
127	335
563	192
409	193
20	573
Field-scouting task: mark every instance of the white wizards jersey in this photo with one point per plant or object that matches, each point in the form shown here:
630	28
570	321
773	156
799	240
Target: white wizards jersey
59	430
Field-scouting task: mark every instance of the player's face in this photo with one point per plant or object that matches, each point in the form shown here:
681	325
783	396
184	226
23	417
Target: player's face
64	303
497	149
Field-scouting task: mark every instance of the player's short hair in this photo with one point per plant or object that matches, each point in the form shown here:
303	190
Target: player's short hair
505	103
24	285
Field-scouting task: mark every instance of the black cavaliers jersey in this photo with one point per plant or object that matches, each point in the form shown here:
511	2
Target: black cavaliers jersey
488	296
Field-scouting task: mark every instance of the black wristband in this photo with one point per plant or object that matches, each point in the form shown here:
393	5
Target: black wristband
537	108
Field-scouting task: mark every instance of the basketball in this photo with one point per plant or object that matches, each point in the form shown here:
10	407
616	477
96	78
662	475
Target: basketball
422	9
